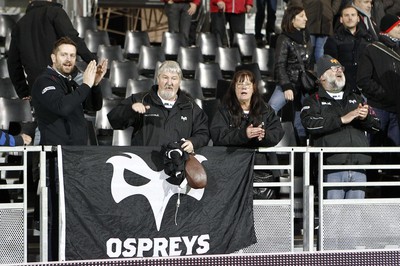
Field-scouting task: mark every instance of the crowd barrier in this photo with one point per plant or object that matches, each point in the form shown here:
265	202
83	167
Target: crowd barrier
369	224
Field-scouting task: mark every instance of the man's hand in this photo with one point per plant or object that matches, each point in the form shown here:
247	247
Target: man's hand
187	146
100	71
90	73
26	138
192	9
360	112
140	108
221	6
289	95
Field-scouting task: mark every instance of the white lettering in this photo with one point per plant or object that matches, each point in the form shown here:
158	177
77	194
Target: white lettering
114	247
160	247
130	248
189	244
204	244
144	244
174	246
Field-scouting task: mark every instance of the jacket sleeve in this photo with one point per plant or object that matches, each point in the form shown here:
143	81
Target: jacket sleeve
64	27
222	134
316	122
122	116
51	95
273	130
94	101
9	140
371	123
15	69
281	61
200	131
330	47
365	77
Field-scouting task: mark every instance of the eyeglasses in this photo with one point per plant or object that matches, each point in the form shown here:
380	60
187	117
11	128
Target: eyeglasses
336	68
246	84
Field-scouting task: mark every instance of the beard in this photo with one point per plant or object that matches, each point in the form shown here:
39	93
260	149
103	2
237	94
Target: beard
167	94
335	84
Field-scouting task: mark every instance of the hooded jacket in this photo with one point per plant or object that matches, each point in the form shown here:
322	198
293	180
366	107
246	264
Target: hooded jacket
32	41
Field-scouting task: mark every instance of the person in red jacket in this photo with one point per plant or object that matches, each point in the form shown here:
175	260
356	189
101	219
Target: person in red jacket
179	13
232	12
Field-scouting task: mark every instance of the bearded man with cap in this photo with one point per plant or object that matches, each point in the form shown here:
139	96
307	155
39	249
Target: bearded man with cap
335	117
378	78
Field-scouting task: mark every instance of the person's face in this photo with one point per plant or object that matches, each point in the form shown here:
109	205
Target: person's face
168	85
365	5
349	18
333	79
244	90
300	20
395	32
64	59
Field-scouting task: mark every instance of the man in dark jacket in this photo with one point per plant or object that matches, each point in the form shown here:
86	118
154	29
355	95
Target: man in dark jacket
32	42
59	101
364	8
164	114
348	44
338	118
378	77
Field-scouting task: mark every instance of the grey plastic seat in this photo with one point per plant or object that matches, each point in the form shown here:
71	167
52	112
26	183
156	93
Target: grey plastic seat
138	85
210	107
208	44
110	52
228	59
170	43
188	59
122	137
246	42
261	56
133	41
120	73
208	75
14	110
7	22
193	88
148	58
82	24
4	68
7	89
94	38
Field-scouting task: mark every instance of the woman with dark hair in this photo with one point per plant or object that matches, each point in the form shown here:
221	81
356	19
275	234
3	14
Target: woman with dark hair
293	51
244	119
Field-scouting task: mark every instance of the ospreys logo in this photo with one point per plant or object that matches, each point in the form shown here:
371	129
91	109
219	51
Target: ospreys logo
158	191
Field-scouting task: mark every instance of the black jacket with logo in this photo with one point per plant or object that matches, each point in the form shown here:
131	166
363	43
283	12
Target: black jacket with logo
160	125
59	105
321	117
32	42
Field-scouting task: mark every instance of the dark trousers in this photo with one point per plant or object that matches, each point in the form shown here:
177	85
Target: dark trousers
260	17
236	25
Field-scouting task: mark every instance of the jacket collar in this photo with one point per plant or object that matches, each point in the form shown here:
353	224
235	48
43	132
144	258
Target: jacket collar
38	4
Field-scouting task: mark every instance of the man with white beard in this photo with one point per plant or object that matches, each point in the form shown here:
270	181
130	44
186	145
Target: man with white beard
334	117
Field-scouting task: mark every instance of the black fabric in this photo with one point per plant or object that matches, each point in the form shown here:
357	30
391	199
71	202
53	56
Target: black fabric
217	219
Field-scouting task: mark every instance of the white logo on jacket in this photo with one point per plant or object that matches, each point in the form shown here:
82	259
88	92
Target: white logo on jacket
49	88
158	191
352	101
183	118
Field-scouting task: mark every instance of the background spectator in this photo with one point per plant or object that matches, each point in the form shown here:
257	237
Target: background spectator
259	21
9	140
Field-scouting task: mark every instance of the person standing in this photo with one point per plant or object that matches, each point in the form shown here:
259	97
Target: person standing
271	6
232	12
348	44
320	15
364	8
339	118
164	114
378	78
179	13
32	42
293	49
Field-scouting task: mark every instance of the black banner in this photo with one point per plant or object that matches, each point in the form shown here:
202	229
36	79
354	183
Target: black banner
120	204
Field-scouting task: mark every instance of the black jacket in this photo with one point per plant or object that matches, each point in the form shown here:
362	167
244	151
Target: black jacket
287	65
321	117
348	48
32	41
224	133
160	125
378	76
59	105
